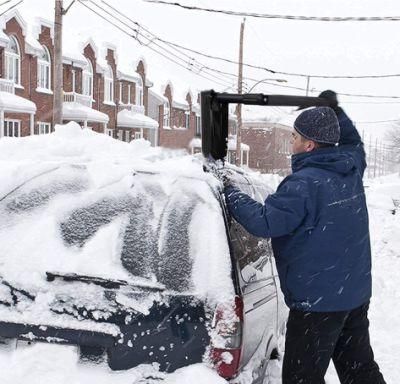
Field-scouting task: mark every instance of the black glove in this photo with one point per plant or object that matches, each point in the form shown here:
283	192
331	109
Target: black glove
331	96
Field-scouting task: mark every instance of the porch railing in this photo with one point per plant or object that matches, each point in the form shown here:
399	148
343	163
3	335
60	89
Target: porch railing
78	98
7	86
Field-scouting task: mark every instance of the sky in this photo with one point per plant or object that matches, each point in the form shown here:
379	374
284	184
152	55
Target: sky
323	48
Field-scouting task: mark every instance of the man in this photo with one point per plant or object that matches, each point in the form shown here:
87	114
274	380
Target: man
318	224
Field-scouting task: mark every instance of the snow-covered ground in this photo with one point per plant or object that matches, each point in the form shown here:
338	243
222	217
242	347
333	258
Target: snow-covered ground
108	161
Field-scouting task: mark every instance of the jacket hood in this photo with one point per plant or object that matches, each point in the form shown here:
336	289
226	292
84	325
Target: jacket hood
330	159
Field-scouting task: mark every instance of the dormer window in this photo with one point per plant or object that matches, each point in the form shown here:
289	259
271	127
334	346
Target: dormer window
13	61
44	68
109	85
87	79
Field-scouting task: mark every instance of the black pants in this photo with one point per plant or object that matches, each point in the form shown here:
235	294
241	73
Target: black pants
314	338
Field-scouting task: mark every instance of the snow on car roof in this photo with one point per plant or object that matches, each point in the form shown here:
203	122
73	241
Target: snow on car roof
80	202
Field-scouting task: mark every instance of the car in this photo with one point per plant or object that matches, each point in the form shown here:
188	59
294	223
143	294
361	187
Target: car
147	269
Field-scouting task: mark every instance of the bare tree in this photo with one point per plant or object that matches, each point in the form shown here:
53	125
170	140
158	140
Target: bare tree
392	138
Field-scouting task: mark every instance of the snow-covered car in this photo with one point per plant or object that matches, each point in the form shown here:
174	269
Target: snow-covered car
145	269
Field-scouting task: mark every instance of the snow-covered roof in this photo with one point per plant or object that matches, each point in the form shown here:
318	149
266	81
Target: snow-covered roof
4	39
13	103
74	58
162	99
232	145
78	112
179	103
127	119
128	76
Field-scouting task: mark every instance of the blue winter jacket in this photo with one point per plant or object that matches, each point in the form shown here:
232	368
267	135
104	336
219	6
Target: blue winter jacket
318	224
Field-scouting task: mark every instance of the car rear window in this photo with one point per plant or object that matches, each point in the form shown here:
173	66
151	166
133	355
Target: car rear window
148	225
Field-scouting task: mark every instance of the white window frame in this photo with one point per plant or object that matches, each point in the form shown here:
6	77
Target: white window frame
127	136
87	79
44	70
139	92
14	128
120	134
13	62
109	132
109	86
187	120
43	128
138	135
167	114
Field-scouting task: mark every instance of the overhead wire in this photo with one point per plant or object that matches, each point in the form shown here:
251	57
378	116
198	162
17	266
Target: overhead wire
285	17
10	8
230	86
149	47
190	61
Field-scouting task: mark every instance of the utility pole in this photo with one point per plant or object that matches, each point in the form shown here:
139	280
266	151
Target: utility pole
58	69
239	106
308	85
376	149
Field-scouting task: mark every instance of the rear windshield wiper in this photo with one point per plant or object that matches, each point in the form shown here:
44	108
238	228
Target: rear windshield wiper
14	293
105	283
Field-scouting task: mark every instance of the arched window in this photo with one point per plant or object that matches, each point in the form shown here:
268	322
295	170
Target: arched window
109	85
13	61
44	70
87	79
139	92
167	114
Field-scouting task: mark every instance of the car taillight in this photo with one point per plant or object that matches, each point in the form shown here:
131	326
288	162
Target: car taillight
226	340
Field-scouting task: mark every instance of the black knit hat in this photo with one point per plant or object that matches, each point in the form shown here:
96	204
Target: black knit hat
318	124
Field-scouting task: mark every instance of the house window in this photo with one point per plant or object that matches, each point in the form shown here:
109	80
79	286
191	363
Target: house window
139	92
44	128
198	125
138	135
44	67
12	128
109	132
109	85
87	79
167	115
120	134
13	61
187	119
127	136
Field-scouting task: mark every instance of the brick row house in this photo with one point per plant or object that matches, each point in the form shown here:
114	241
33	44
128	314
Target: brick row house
111	97
97	94
270	146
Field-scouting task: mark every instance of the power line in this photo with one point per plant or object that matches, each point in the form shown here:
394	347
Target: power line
188	60
202	67
276	72
5	2
284	17
192	64
151	48
10	8
377	122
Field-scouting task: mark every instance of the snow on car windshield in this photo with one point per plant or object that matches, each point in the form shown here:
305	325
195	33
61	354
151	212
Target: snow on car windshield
77	202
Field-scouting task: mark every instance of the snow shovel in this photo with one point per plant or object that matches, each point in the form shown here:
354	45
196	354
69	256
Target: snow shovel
214	115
